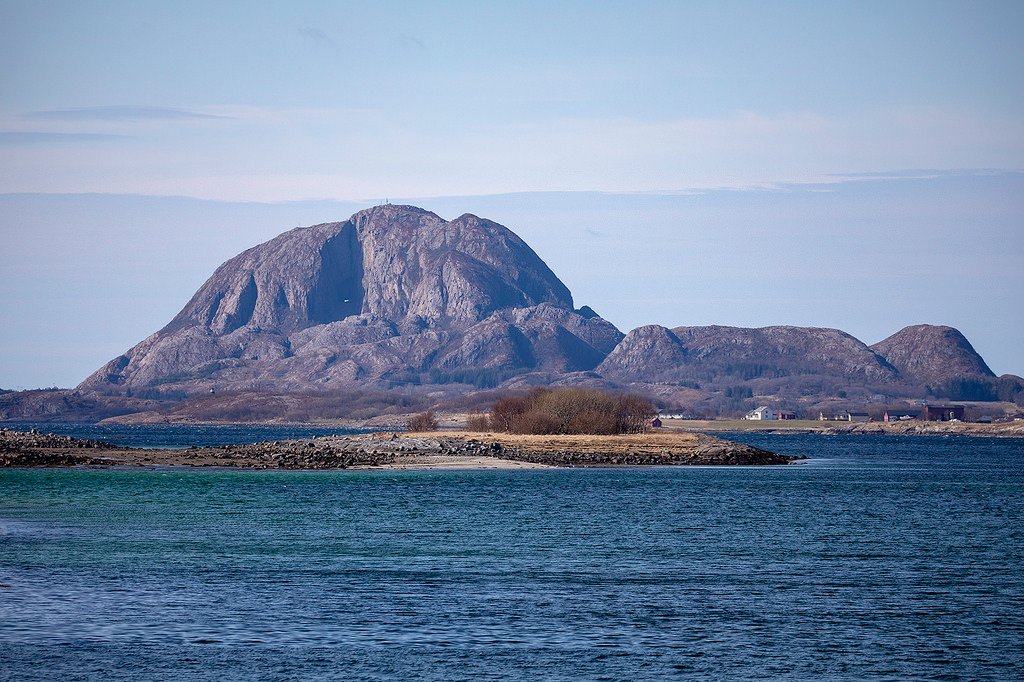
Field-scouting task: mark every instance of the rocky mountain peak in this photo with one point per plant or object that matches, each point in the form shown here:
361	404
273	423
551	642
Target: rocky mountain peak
385	291
389	262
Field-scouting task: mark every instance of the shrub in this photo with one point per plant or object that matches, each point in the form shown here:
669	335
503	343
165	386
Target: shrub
572	410
478	422
633	413
506	410
424	421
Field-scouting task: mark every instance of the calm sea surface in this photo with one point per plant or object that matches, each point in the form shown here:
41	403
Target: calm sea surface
882	558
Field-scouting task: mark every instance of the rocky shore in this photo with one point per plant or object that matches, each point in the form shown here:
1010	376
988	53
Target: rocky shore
396	450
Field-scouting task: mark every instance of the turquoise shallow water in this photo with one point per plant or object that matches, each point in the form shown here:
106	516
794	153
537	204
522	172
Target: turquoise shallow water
882	558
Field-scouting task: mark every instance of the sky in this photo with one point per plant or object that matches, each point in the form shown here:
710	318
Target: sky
845	164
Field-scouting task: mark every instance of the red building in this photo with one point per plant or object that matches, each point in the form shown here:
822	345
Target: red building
943	413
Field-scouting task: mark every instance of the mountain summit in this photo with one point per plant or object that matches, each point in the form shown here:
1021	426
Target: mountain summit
393	290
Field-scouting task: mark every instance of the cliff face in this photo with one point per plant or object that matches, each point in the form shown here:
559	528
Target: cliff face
393	290
396	263
930	354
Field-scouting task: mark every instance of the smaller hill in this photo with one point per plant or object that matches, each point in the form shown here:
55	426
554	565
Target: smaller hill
714	354
932	355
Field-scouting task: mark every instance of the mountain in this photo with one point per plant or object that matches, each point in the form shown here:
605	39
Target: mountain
932	355
397	298
390	294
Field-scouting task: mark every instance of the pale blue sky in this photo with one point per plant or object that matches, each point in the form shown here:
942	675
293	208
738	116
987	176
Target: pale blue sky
764	107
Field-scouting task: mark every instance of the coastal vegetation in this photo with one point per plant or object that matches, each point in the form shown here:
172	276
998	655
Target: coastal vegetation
571	411
424	421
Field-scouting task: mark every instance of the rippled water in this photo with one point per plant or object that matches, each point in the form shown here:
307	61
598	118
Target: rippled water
879	558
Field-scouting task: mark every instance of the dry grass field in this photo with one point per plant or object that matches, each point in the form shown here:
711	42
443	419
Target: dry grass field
657	442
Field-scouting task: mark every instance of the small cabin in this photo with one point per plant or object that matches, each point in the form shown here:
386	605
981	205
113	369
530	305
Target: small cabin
858	417
785	414
656	423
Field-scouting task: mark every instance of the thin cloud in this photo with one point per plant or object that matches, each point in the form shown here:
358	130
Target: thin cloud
925	173
407	40
317	36
32	137
121	112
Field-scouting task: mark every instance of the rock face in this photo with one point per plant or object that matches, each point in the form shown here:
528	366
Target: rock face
930	354
390	293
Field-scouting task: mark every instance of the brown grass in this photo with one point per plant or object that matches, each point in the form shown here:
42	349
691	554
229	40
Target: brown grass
585	443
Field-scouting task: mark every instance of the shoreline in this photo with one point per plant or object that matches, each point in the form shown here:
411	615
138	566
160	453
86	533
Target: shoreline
456	422
393	450
1013	429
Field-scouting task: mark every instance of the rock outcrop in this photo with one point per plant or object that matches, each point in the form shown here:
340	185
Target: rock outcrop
932	355
390	294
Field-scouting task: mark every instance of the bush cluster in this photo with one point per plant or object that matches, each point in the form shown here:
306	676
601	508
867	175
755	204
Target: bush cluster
424	421
572	410
478	422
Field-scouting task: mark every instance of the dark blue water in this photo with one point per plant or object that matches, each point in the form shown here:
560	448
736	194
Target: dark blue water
882	558
171	436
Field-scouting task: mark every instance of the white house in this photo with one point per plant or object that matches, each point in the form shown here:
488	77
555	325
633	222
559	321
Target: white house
763	413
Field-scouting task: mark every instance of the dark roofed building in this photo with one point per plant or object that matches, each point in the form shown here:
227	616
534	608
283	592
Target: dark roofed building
943	413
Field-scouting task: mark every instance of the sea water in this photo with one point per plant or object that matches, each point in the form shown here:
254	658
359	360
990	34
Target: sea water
880	557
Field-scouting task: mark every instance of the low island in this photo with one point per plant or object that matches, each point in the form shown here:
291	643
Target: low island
397	450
